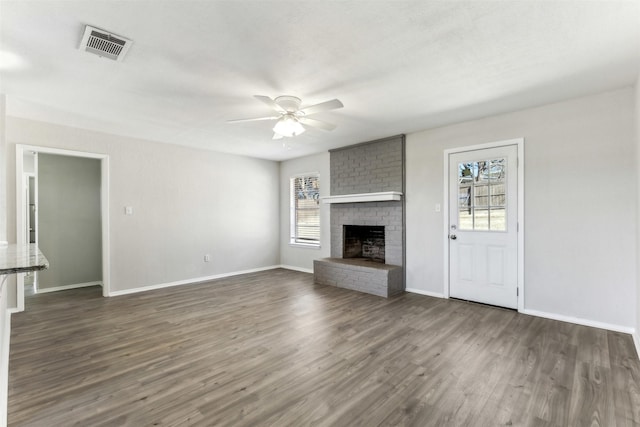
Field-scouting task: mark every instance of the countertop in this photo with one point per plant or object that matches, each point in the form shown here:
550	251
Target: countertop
21	258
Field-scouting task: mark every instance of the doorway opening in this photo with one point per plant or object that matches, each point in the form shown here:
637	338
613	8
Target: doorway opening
100	213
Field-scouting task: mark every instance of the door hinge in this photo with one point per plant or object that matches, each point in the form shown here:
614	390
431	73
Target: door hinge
518	227
517	292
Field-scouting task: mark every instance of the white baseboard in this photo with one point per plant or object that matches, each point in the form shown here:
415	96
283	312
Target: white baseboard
188	281
67	287
636	341
579	321
291	267
427	293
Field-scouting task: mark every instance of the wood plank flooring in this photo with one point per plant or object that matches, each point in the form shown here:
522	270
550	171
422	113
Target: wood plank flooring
272	348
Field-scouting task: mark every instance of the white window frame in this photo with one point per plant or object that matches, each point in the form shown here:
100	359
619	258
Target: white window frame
293	238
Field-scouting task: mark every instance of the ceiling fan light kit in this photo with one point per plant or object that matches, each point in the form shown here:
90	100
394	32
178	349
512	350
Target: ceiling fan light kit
288	126
291	117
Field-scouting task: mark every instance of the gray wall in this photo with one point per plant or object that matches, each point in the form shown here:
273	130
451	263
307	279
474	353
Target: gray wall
186	203
580	205
69	220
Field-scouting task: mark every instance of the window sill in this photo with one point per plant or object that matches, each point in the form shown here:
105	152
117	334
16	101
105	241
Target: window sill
305	245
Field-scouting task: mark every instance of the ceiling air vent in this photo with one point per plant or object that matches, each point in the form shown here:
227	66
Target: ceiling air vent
104	43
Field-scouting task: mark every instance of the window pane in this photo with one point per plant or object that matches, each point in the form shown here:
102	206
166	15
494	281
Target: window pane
464	196
465	219
497	170
482	172
465	172
498	220
482	195
497	198
305	205
481	219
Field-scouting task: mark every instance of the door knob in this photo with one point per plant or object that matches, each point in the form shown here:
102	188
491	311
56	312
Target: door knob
453	237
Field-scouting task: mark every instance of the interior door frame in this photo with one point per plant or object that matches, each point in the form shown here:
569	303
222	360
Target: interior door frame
519	143
104	209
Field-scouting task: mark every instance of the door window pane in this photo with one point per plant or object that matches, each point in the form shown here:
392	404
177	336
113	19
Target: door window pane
482	202
482	195
483	173
498	219
465	219
464	196
481	219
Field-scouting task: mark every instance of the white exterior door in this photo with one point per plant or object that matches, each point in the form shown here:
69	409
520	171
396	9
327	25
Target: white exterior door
483	225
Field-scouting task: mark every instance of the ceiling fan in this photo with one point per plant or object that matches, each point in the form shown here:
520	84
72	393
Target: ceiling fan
291	117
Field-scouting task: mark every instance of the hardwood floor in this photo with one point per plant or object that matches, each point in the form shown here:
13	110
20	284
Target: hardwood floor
272	348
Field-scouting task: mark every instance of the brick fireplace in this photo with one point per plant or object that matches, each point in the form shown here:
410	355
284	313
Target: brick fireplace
367	185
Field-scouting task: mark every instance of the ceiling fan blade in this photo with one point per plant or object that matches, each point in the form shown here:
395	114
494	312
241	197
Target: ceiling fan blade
253	120
271	103
316	123
277	136
323	106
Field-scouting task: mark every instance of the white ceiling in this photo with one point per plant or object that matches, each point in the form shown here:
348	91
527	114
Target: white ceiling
398	66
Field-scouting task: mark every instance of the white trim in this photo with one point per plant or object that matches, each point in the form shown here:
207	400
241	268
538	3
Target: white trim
384	196
636	341
20	226
61	151
294	268
106	242
519	143
305	245
445	224
104	199
521	228
4	368
302	175
67	287
293	218
579	321
423	292
188	281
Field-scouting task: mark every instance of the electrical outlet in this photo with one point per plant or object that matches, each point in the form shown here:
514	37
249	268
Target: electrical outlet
207	258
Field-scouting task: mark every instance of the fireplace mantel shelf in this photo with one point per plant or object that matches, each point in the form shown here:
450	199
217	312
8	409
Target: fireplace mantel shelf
384	196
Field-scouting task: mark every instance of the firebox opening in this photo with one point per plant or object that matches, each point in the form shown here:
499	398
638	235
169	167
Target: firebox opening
363	241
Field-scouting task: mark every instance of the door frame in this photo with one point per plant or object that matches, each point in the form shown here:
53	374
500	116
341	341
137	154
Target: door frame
104	209
26	176
519	143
